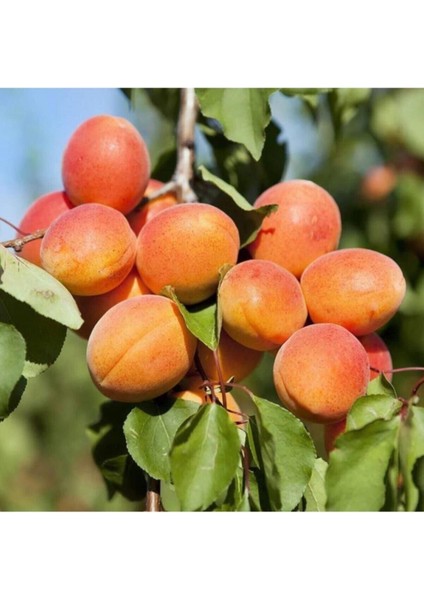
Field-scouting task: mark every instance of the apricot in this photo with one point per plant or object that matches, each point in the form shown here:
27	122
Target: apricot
185	246
236	361
140	349
306	225
332	432
89	249
357	288
378	183
92	308
141	215
194	392
320	372
42	212
378	355
262	304
106	161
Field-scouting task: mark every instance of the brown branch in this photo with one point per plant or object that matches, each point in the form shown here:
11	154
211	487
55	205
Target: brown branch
153	495
185	146
18	243
13	226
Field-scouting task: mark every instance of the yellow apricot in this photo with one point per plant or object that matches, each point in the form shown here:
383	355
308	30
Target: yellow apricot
185	246
140	349
357	288
262	304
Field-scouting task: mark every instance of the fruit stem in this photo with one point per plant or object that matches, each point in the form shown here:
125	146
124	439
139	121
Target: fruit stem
153	495
13	226
18	243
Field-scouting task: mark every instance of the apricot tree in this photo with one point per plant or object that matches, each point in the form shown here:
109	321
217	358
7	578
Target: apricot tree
182	288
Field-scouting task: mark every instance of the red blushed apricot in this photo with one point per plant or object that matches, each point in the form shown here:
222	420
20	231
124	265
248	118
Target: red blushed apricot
378	183
320	372
106	161
142	215
262	304
140	349
306	225
378	355
235	360
89	249
185	246
194	392
332	432
42	212
92	308
357	288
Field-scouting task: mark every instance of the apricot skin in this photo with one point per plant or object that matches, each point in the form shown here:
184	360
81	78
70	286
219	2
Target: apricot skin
185	246
236	361
89	249
106	161
357	288
320	371
42	212
332	432
306	225
378	355
140	349
92	308
262	304
140	216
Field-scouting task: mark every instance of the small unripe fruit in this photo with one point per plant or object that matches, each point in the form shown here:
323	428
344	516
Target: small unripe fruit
378	355
42	212
306	225
89	249
185	246
357	288
142	215
262	304
320	372
140	349
106	161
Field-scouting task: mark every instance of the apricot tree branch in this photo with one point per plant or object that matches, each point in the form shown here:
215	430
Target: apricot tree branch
153	495
18	243
185	146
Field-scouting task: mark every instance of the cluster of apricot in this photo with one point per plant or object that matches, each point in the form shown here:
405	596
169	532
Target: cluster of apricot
316	307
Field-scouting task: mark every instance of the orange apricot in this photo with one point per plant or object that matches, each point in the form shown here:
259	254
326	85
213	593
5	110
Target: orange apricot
378	183
357	288
92	308
194	392
142	215
185	246
262	304
89	249
306	225
140	349
236	361
320	372
42	212
332	432
378	355
106	161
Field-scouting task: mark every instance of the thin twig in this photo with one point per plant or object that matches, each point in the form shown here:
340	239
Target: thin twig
13	226
18	243
153	495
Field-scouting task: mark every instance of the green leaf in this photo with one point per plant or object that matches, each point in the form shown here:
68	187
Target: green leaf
44	337
355	479
304	91
411	448
258	494
237	498
315	494
244	114
34	286
110	454
287	452
247	218
169	498
150	430
204	457
411	119
12	360
370	408
201	319
381	386
344	104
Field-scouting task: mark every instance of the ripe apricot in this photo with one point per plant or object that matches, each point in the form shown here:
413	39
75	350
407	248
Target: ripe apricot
42	212
262	304
141	215
357	288
194	392
90	249
320	371
140	349
185	246
332	432
378	183
92	308
306	225
378	355
106	161
236	361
